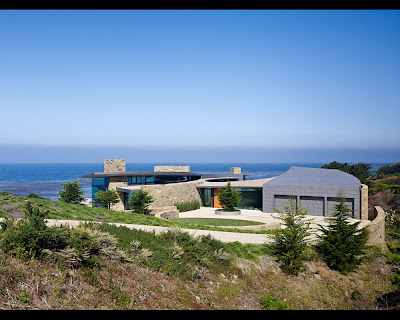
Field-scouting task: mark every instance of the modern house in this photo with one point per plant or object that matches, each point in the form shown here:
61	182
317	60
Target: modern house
315	189
167	184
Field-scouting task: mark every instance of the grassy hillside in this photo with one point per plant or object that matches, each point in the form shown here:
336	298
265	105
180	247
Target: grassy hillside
14	205
108	267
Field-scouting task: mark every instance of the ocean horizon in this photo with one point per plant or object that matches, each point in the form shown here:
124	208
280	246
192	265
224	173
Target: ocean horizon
45	179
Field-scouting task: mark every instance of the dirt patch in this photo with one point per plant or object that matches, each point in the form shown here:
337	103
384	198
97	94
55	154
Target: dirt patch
14	209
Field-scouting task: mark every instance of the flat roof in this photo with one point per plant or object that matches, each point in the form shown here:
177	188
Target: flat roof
304	176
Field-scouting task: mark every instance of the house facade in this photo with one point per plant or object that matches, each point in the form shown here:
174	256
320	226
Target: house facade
313	188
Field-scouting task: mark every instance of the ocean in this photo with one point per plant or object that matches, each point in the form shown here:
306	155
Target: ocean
45	179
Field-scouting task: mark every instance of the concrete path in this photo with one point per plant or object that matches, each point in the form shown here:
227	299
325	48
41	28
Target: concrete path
203	212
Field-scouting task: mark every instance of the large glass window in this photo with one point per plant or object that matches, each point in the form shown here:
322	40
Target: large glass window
127	198
98	184
140	180
158	179
150	180
206	198
131	180
251	199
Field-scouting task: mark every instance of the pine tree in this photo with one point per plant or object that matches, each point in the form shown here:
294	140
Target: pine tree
140	201
342	243
107	197
72	192
290	242
229	198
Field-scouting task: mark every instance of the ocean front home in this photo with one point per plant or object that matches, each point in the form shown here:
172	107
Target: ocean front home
315	189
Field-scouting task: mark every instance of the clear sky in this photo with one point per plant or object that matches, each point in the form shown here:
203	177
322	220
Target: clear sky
200	78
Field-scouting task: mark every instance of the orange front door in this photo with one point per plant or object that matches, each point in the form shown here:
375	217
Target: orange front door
216	200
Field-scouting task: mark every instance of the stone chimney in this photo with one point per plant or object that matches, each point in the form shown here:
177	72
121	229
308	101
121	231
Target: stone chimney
114	165
236	170
171	168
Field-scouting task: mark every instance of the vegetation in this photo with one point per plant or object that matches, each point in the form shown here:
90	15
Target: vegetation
342	243
100	266
72	192
30	238
187	205
140	201
290	242
359	170
107	198
388	170
111	267
393	241
173	252
268	302
229	198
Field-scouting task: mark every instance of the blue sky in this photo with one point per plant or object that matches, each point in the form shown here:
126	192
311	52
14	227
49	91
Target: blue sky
200	79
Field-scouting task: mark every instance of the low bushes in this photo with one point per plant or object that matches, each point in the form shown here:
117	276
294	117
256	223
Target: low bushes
268	302
187	205
30	238
173	252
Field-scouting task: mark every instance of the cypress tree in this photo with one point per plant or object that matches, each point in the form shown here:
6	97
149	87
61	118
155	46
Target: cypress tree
290	242
342	243
72	192
229	198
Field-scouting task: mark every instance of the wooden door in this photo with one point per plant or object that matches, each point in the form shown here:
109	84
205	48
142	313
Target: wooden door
216	200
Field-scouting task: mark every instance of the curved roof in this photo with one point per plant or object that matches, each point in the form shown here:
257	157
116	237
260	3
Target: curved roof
303	176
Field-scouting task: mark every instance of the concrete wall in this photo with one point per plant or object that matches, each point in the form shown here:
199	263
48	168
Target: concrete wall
171	168
269	201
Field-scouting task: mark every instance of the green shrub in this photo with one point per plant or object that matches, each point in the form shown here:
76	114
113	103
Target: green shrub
187	205
30	238
34	196
268	302
382	186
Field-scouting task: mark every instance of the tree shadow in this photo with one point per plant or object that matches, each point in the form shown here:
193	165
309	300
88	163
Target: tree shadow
389	300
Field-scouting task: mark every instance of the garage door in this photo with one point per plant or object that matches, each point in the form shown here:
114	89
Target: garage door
333	201
314	204
280	201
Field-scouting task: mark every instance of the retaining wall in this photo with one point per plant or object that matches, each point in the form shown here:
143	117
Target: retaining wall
377	228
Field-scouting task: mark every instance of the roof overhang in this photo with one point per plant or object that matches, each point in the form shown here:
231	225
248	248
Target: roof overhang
144	173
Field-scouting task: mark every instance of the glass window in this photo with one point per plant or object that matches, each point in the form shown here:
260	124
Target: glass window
101	182
205	195
251	199
150	180
131	180
98	184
